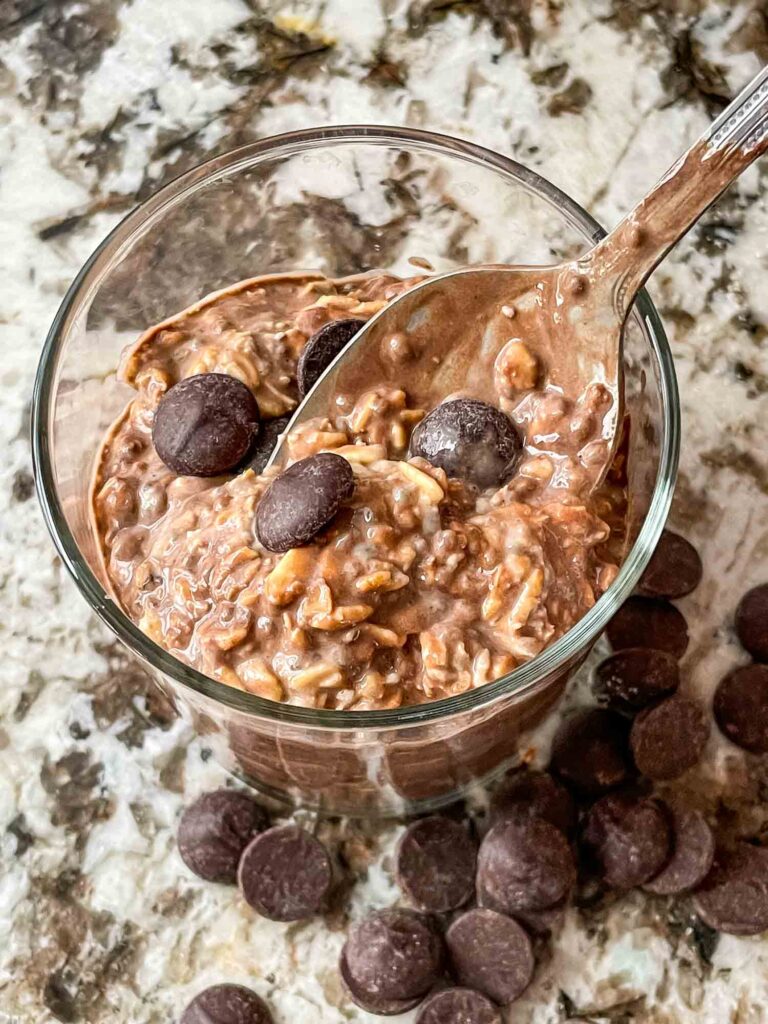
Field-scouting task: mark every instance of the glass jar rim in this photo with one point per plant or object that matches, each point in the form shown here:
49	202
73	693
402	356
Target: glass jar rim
522	679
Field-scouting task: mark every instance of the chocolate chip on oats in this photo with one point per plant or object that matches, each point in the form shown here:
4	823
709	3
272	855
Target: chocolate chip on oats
629	839
458	1006
227	1004
630	680
469	439
205	425
752	622
391	960
741	707
528	794
322	348
303	500
649	622
524	865
436	860
590	750
668	739
674	570
734	896
214	831
285	874
693	850
270	431
491	953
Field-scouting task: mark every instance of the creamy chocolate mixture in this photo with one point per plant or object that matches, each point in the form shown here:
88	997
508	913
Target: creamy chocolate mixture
422	584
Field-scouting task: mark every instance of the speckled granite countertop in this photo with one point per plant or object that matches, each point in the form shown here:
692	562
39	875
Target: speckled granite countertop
101	101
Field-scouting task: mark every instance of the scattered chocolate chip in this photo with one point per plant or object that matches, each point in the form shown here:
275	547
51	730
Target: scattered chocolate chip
469	439
227	1004
458	1006
668	739
649	622
734	896
528	794
205	425
540	922
524	865
674	569
271	430
629	839
436	860
391	960
285	874
322	348
693	850
590	750
214	831
491	953
630	680
303	500
752	622
741	707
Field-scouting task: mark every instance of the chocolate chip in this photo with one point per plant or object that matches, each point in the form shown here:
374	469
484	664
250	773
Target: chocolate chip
629	839
540	922
674	569
693	849
524	865
436	860
590	750
214	831
285	874
630	680
227	1004
741	707
649	622
271	430
734	896
668	739
322	348
752	622
303	500
391	960
527	794
458	1006
469	439
205	425
491	953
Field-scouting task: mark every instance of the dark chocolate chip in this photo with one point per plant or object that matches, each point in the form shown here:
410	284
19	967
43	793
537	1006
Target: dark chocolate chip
628	838
752	622
470	440
271	430
734	896
491	953
285	874
674	569
528	794
524	865
590	750
391	960
436	860
227	1004
214	831
741	707
630	680
649	622
693	850
205	425
303	500
540	922
322	348
668	739
458	1006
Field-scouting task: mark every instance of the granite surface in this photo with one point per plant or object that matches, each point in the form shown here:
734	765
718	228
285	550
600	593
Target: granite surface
101	101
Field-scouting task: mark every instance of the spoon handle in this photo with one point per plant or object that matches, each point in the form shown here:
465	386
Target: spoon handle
625	258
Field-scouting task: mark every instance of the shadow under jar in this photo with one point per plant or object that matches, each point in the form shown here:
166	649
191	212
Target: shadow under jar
340	201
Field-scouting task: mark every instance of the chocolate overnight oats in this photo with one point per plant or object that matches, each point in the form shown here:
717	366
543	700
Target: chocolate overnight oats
406	554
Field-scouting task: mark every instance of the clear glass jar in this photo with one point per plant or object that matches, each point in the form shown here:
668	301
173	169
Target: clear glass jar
339	200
